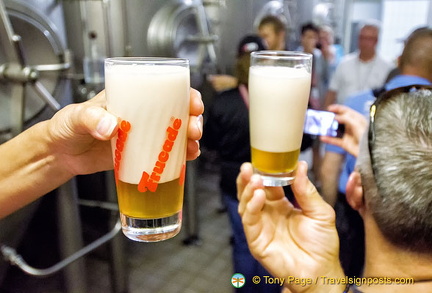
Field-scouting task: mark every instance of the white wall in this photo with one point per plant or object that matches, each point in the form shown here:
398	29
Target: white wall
399	18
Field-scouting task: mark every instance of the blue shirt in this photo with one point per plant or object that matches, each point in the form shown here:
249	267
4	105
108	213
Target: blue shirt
361	103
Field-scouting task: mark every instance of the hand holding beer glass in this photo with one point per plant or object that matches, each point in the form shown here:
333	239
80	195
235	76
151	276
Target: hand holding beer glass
279	87
151	97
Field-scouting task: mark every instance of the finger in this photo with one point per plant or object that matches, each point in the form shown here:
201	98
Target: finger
248	191
332	140
94	111
106	123
253	212
307	196
196	103
243	178
193	150
84	119
337	108
195	127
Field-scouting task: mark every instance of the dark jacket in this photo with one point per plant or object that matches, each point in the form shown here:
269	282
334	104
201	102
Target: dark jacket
226	130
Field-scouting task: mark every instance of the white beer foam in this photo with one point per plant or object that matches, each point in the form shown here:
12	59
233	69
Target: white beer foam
278	103
157	94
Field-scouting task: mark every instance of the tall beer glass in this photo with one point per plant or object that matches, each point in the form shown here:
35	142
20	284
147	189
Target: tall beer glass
279	87
151	97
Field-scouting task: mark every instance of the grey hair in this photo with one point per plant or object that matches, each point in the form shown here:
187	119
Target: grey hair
400	194
370	23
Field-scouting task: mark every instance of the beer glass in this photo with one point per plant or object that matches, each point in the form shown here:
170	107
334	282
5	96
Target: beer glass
279	87
151	98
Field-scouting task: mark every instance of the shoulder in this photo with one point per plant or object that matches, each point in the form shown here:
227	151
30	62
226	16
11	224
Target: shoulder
349	58
360	102
347	62
359	98
384	63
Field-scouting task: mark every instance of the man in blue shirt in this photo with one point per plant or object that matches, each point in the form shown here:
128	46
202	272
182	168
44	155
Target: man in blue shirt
415	64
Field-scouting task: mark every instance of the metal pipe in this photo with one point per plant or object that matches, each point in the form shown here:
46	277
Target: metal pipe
190	206
107	27
118	261
70	236
14	258
205	32
45	95
7	35
126	39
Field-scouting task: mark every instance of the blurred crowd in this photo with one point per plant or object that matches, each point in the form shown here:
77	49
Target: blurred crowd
340	81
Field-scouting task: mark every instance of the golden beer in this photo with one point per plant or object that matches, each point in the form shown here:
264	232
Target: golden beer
274	163
166	201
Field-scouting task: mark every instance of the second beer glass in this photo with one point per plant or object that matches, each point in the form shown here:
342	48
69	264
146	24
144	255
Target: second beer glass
151	97
279	87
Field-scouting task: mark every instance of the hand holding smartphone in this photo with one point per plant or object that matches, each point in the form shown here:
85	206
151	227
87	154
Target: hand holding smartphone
322	123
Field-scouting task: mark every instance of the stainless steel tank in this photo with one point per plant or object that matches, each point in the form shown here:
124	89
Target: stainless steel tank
204	31
32	82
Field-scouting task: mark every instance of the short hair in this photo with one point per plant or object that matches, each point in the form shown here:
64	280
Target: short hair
399	194
418	51
328	29
276	22
370	23
309	26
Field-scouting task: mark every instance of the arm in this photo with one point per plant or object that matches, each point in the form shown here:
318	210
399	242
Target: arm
330	171
74	141
290	242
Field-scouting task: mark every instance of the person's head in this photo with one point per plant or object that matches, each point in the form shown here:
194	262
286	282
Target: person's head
416	58
325	36
273	31
368	38
309	37
397	189
247	45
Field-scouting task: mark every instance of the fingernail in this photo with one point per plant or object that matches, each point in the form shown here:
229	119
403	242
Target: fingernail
107	125
199	124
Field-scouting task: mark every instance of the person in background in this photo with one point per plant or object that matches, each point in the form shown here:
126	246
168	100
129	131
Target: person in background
75	141
360	70
308	44
390	188
332	53
226	130
273	31
415	65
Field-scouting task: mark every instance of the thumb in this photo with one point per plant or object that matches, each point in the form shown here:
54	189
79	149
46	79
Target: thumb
307	196
94	120
107	124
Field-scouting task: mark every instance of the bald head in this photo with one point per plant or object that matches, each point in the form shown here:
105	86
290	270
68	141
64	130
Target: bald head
416	58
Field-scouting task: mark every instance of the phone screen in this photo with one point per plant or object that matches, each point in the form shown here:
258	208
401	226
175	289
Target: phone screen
322	123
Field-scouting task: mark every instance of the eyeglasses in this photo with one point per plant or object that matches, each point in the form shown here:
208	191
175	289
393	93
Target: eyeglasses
374	108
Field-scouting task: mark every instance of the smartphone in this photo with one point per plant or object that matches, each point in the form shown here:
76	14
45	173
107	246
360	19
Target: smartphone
322	123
